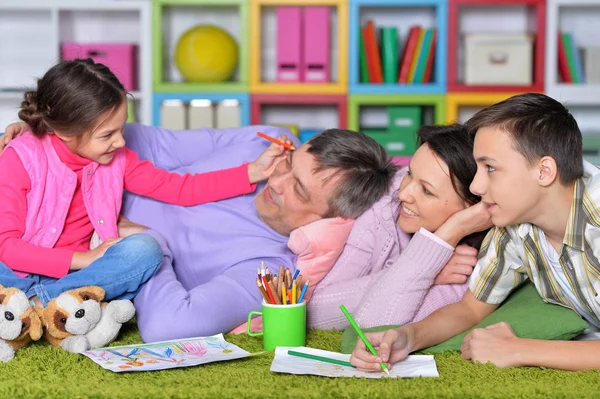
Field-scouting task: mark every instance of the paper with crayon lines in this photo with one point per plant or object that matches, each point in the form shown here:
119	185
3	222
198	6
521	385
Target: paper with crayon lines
167	354
412	366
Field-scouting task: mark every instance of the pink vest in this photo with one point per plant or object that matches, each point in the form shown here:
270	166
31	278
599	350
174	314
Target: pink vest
53	186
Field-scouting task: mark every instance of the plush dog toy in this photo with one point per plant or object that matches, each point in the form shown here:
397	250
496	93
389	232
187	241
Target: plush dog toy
19	323
77	320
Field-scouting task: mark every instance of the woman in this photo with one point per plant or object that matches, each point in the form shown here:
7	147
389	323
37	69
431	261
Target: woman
387	271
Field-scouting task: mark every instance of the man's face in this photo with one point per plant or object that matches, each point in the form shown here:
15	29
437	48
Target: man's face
294	195
504	179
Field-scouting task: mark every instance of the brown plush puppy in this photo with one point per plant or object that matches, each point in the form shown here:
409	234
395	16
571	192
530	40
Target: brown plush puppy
19	323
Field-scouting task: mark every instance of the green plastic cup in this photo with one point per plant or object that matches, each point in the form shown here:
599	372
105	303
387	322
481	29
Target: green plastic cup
283	325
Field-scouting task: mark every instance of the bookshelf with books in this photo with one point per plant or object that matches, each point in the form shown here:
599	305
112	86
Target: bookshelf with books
395	45
573	63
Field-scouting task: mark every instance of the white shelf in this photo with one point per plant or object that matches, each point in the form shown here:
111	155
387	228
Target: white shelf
68	20
304	116
580	17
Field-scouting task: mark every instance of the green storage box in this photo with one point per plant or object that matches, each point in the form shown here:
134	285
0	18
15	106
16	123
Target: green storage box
400	137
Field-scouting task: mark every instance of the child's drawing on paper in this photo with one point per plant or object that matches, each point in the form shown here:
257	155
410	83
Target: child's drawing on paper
163	355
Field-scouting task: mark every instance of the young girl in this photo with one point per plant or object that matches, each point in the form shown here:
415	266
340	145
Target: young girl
63	181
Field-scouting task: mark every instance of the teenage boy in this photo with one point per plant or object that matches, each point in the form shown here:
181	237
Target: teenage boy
544	200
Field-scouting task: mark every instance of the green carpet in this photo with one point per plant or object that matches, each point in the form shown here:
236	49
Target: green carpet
41	371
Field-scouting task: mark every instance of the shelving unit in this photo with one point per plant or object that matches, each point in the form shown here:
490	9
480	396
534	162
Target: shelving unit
171	18
465	16
317	112
401	14
461	106
262	54
31	32
243	101
157	25
580	17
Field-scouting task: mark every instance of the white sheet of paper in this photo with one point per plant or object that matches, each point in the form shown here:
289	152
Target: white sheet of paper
412	366
167	354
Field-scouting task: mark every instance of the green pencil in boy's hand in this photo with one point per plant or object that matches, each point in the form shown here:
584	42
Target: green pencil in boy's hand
363	337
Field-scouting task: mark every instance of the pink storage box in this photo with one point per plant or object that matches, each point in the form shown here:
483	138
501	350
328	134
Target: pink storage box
121	58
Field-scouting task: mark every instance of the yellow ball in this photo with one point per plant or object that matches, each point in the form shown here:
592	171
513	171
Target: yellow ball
206	53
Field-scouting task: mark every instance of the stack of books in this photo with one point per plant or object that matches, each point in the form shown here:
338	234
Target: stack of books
380	61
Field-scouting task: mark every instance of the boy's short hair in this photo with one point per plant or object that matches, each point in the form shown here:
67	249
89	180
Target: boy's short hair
539	126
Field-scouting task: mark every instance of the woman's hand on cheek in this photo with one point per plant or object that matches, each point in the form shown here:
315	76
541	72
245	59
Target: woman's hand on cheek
464	222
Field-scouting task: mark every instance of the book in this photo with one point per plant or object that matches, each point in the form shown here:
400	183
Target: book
372	52
408	53
389	54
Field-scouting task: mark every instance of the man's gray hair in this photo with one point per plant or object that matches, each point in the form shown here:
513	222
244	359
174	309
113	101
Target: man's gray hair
363	166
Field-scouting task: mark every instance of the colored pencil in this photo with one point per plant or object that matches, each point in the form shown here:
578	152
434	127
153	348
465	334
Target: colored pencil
293	301
286	145
303	291
275	293
296	273
281	278
266	286
320	358
363	337
262	291
284	298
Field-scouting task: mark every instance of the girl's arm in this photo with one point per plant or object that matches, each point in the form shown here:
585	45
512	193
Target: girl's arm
141	177
15	253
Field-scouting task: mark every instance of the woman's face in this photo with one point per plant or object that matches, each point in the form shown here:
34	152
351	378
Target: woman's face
426	193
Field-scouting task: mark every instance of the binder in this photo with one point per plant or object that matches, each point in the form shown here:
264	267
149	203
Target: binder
316	44
289	40
172	115
200	114
228	114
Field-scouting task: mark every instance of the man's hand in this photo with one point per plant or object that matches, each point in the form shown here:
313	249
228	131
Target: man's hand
127	228
262	168
497	343
13	130
459	267
392	346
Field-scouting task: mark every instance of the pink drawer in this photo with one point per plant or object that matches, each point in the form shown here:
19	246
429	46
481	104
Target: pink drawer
121	58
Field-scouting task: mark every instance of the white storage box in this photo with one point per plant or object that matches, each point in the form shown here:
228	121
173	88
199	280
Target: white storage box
498	59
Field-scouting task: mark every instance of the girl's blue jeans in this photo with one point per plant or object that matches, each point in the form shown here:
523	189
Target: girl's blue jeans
120	272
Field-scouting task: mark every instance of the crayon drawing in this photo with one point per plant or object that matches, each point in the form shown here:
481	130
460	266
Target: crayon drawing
413	366
165	355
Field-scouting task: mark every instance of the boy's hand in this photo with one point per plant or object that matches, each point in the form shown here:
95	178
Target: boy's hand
467	221
459	267
392	346
496	343
13	130
262	168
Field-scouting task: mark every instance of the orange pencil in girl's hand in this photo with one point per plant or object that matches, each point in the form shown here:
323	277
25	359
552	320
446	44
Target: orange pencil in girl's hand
286	145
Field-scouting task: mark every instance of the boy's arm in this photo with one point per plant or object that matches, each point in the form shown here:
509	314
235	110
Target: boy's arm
498	271
499	344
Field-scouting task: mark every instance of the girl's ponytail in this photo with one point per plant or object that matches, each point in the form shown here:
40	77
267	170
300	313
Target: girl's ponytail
31	114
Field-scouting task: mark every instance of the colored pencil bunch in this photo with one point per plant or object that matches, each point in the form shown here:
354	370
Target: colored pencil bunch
281	288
